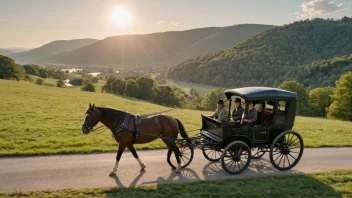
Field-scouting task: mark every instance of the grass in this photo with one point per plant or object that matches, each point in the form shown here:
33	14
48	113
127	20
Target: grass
186	86
41	120
326	184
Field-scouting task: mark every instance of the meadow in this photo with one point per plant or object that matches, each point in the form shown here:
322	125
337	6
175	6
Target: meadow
336	183
41	120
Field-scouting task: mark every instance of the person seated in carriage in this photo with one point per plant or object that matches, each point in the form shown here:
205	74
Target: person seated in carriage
238	111
221	112
251	117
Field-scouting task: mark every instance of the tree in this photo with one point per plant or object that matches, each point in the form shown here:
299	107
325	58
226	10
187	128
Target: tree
88	86
60	83
165	96
210	98
131	88
303	107
95	79
28	78
10	70
320	99
145	88
118	86
194	93
76	81
40	81
341	108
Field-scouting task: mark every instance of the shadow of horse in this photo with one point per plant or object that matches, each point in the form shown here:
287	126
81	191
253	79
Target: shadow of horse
133	183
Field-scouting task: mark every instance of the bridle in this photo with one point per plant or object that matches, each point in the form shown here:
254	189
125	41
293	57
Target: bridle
89	127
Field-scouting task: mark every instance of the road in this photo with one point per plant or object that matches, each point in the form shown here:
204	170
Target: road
91	171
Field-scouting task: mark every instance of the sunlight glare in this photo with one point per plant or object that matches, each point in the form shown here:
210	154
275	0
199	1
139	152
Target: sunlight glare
122	16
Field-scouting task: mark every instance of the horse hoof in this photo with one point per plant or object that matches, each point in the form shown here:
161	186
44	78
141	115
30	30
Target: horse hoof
173	168
142	169
112	174
143	166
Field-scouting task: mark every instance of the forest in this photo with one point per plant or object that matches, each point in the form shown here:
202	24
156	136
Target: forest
313	52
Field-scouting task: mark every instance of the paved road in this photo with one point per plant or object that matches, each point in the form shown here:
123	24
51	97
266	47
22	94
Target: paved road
91	171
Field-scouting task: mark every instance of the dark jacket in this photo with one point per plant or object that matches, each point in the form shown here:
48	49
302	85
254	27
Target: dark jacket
237	113
252	115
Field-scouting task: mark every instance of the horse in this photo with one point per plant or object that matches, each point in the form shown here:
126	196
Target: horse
151	128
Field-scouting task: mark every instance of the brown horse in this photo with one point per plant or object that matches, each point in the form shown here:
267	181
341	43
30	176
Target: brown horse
151	128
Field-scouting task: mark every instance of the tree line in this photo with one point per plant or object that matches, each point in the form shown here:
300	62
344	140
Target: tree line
9	69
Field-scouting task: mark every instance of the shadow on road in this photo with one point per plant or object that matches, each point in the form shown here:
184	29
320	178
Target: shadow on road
133	183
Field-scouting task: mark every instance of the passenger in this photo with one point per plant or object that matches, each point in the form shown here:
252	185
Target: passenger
251	116
238	111
221	113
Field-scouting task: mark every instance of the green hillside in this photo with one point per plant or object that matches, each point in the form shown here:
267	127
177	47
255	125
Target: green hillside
271	57
49	49
47	120
158	48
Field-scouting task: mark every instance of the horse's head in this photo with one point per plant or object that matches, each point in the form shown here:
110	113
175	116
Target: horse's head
91	118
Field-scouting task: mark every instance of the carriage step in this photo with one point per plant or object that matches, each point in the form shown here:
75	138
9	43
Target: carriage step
211	135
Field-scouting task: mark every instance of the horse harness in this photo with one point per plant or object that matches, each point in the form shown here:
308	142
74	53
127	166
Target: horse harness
124	126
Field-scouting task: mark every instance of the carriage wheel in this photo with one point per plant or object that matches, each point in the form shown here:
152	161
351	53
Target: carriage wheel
212	153
187	152
236	157
257	153
286	150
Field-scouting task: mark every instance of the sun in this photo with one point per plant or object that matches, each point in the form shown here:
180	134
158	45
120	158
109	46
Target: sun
122	17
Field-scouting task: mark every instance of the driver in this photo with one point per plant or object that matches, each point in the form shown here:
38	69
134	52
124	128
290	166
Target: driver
220	113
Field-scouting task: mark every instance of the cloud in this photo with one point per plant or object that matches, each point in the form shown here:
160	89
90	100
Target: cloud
161	22
316	8
173	23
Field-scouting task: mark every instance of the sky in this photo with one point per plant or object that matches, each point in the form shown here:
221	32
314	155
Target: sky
32	23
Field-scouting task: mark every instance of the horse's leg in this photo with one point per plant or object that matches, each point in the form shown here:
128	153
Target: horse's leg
118	157
177	155
135	155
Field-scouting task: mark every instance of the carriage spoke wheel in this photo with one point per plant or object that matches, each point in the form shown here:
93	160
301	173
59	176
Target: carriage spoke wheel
212	153
286	150
236	157
187	152
257	153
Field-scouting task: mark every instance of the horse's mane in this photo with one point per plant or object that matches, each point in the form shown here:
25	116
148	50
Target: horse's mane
109	112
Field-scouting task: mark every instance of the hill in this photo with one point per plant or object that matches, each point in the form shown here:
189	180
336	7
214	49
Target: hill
50	49
272	56
47	120
158	48
5	52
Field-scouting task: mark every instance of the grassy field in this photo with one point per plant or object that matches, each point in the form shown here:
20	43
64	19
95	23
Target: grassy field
37	120
326	184
51	81
186	86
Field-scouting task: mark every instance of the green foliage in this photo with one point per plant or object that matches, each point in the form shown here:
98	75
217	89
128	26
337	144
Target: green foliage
131	88
274	56
341	108
119	86
76	81
60	83
320	100
324	73
44	72
194	93
210	99
303	107
28	78
95	79
164	95
40	81
88	86
145	88
10	70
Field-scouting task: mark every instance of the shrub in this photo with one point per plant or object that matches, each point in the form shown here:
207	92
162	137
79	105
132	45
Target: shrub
40	81
88	86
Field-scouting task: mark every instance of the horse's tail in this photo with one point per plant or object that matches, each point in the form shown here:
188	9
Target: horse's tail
182	129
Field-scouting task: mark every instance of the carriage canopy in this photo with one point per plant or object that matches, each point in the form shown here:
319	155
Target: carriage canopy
253	93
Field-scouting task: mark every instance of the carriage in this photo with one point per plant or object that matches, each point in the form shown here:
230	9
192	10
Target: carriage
236	145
